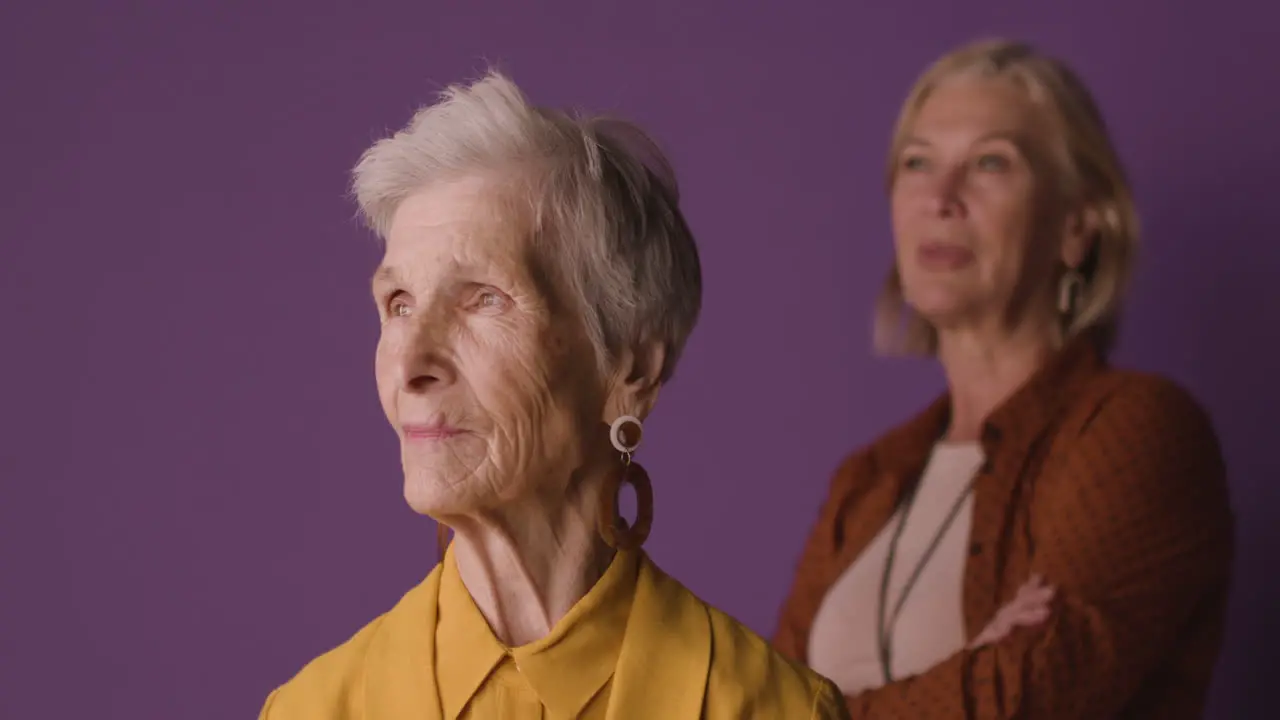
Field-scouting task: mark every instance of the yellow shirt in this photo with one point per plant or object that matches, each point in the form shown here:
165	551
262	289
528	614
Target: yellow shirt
566	674
677	658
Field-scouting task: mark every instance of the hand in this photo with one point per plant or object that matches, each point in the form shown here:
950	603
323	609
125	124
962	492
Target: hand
1031	606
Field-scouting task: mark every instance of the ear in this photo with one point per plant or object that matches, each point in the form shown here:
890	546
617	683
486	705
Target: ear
637	381
1079	236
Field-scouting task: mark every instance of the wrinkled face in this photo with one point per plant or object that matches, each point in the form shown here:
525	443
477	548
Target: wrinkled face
976	235
490	385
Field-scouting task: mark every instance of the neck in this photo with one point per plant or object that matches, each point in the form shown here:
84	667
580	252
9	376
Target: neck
526	564
983	368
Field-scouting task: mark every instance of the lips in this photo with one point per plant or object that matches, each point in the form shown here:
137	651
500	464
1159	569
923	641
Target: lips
438	430
936	255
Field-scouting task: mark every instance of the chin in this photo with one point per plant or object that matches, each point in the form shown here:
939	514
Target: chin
939	314
940	305
432	496
448	486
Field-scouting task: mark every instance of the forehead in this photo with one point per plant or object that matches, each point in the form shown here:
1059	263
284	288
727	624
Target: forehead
970	104
447	225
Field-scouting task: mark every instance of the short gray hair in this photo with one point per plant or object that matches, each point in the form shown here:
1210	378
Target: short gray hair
601	197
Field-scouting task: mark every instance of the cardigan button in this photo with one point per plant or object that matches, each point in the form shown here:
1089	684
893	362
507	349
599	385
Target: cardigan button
975	549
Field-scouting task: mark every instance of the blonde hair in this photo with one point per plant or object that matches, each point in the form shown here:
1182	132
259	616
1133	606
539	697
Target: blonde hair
1089	173
599	195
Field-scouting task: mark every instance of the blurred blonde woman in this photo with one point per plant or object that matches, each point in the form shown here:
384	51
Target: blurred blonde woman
1051	538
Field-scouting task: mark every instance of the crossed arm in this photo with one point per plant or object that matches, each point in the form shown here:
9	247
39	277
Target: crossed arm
1134	532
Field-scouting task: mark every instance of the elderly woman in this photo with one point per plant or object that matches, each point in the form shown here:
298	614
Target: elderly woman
538	285
1052	537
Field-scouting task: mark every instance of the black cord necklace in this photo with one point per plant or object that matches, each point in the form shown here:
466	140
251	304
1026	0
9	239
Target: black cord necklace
884	630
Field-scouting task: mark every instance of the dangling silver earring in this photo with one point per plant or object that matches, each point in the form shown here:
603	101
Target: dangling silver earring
1069	287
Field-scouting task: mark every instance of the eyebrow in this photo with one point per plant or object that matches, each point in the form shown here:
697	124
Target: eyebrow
383	276
386	275
1007	135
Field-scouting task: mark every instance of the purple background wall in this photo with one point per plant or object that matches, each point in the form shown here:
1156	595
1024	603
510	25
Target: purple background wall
197	490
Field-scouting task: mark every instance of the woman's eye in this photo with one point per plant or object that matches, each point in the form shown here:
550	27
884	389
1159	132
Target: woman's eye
994	163
913	162
397	307
489	299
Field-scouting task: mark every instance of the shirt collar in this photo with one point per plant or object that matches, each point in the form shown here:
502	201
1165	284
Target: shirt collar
1016	422
566	668
466	649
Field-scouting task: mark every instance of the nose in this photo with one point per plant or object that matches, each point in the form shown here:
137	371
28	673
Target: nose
945	197
424	359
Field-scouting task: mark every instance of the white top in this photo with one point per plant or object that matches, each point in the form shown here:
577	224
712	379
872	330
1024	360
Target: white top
930	628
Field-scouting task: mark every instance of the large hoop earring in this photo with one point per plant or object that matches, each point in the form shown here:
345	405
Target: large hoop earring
1069	288
615	531
442	539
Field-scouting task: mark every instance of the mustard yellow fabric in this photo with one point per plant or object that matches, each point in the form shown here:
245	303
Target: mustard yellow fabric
676	658
564	675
